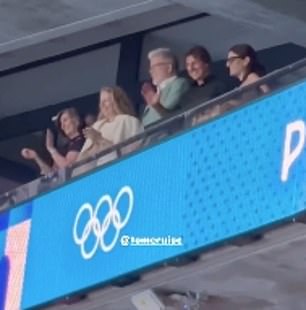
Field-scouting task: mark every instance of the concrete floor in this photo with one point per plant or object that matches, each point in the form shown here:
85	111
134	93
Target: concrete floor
266	275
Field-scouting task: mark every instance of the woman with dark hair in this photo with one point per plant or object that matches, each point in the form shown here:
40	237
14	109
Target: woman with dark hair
243	64
69	123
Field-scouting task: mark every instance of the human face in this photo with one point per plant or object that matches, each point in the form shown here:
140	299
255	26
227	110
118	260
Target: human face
69	125
107	105
160	69
89	120
236	65
196	69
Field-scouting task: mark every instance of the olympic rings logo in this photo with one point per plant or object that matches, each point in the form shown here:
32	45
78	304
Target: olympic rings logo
99	228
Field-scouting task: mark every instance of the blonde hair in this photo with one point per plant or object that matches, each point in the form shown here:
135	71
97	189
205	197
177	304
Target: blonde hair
121	101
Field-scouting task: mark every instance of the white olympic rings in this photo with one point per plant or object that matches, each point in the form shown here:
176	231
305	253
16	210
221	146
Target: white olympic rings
99	228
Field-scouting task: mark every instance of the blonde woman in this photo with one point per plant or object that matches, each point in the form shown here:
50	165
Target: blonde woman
116	123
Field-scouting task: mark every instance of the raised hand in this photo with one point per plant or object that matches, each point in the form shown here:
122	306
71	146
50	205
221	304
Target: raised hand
149	94
49	140
28	153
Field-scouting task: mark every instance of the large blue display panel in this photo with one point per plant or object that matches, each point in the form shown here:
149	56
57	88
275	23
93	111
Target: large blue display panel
235	174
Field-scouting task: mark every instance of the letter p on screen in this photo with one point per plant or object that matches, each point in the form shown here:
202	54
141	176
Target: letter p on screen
290	155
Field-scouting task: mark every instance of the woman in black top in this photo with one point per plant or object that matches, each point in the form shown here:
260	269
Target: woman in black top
243	64
70	125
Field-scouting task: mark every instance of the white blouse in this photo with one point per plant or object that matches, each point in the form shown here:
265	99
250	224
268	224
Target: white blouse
120	129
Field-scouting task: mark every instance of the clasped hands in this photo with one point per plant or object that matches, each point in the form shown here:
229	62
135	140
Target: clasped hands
151	96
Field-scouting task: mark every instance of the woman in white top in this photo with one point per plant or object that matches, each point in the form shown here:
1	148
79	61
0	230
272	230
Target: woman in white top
116	123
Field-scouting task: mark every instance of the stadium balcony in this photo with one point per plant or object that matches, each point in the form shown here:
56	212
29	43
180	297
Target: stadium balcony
205	209
164	130
236	191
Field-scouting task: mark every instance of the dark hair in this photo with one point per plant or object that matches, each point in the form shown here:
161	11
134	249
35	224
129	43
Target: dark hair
72	112
199	52
245	50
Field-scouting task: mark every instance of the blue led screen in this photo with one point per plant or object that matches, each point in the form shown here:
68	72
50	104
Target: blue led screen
237	173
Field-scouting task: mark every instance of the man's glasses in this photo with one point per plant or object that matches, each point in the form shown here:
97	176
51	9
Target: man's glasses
159	64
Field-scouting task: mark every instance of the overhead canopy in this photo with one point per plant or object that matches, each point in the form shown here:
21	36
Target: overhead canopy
41	28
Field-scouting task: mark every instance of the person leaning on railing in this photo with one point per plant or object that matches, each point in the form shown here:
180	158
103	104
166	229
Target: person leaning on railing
69	124
242	64
116	123
205	85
